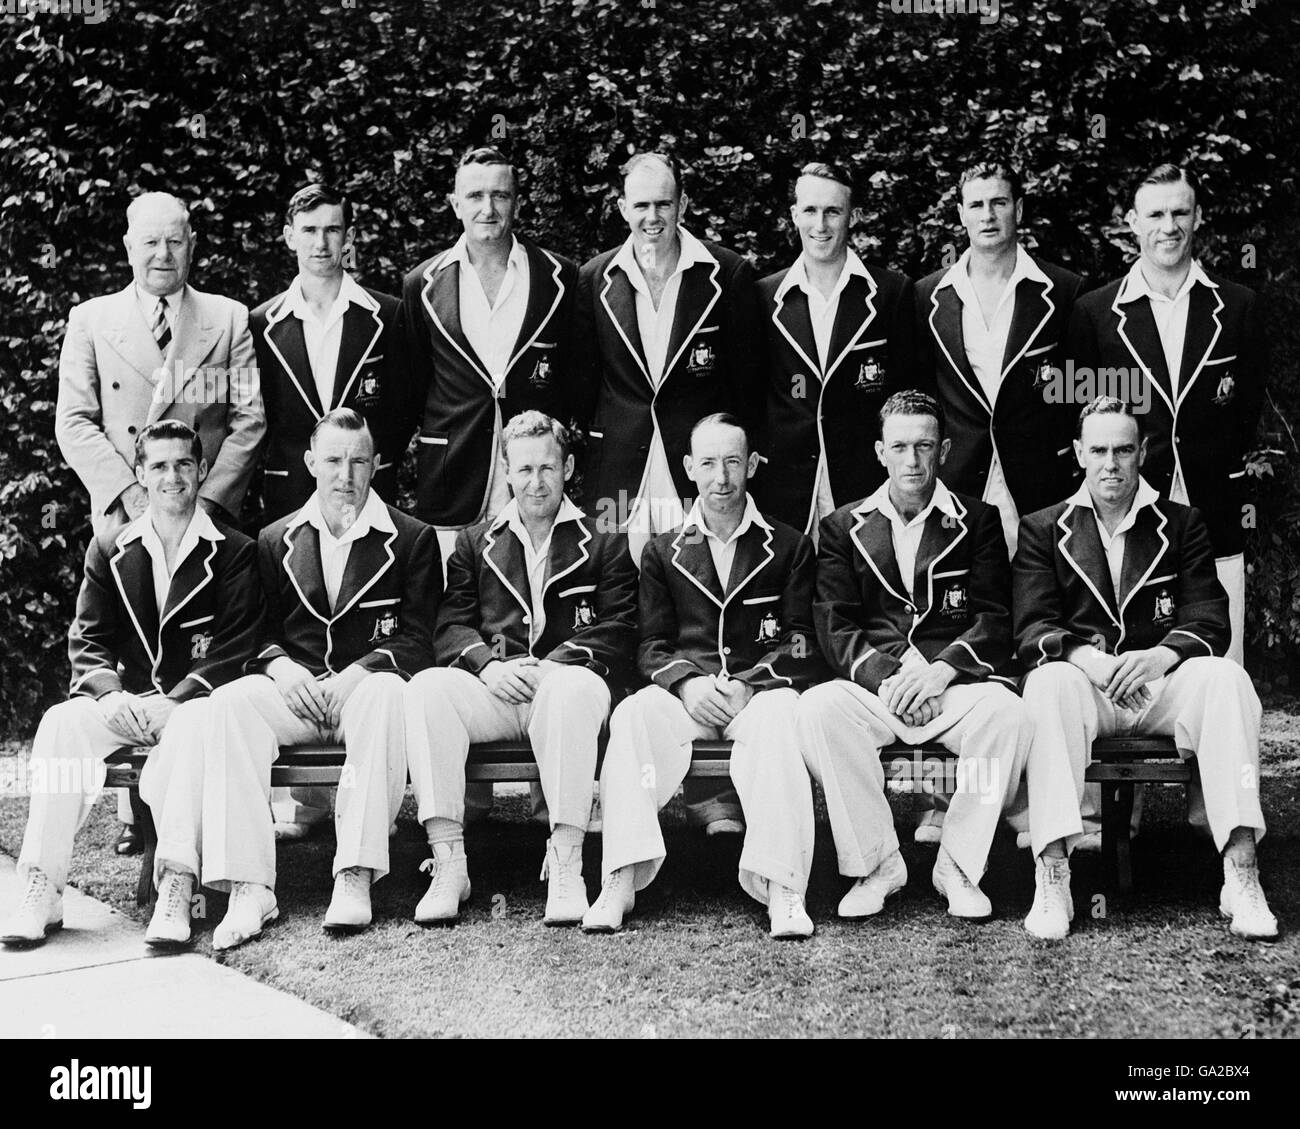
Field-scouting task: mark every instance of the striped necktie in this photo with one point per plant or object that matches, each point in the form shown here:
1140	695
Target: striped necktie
162	332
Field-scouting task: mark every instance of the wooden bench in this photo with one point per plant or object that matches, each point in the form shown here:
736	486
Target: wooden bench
1118	765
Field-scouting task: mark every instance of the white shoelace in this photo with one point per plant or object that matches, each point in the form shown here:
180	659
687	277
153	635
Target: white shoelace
440	874
37	894
565	872
177	902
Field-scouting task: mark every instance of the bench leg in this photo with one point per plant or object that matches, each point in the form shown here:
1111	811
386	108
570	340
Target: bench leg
1116	816
144	891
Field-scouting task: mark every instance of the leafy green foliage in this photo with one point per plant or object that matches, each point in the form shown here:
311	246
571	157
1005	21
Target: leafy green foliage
233	106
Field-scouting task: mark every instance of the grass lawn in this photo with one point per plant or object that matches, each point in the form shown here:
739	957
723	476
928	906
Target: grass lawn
696	960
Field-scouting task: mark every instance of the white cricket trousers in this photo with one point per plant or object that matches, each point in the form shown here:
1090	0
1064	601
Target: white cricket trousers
648	756
65	777
448	709
843	727
212	807
1207	705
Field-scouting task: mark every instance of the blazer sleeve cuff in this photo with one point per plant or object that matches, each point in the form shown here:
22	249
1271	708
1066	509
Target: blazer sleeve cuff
474	657
191	686
1190	644
965	659
573	653
871	668
97	683
263	659
671	673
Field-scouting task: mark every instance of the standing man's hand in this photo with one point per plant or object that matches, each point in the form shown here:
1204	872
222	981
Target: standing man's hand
135	500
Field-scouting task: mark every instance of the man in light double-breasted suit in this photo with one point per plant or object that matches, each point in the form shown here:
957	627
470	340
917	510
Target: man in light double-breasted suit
158	349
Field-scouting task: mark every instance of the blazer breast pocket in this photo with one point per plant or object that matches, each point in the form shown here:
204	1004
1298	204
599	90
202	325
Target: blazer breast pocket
1158	600
763	620
701	358
867	368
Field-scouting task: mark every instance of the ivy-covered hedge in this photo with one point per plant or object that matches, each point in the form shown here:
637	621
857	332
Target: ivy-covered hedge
234	105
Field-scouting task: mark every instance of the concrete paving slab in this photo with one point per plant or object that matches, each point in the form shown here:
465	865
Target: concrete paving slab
92	934
95	977
166	997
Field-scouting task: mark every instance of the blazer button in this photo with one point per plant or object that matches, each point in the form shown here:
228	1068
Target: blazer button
726	650
116	384
131	430
910	610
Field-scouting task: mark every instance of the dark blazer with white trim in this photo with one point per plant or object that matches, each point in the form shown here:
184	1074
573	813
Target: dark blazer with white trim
1033	436
1169	594
371	378
872	355
208	628
712	366
759	631
589	600
1211	426
960	610
383	617
453	397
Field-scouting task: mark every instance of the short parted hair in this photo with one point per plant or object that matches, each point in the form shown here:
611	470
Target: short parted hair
313	196
825	171
1168	174
345	419
168	429
533	424
150	199
1109	405
727	419
911	402
489	155
666	160
991	168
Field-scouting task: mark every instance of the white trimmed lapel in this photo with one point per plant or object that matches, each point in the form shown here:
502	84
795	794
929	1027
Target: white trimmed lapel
1121	311
863	325
1189	343
307	578
584	538
277	316
139	594
448	296
1009	362
683	292
1067	531
795	344
490	543
341	396
951	313
855	535
680	543
534	285
617	322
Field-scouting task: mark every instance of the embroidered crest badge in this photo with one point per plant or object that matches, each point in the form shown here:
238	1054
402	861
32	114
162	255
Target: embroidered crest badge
871	376
769	629
1223	396
1043	374
200	641
700	360
584	615
1164	609
385	626
541	376
369	386
954	600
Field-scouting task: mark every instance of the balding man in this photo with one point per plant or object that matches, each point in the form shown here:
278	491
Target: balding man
158	349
